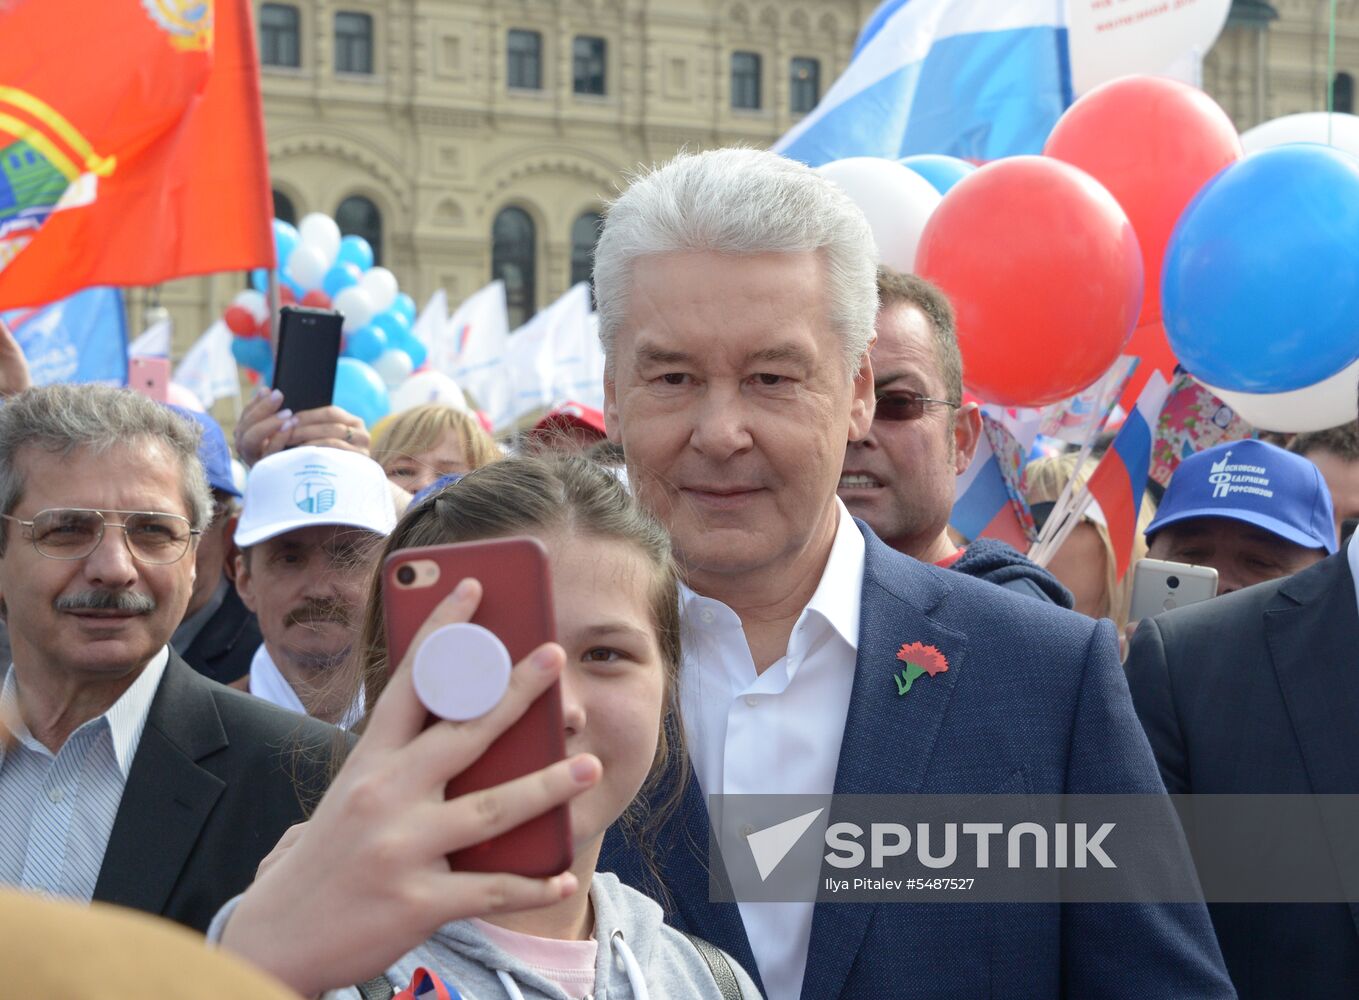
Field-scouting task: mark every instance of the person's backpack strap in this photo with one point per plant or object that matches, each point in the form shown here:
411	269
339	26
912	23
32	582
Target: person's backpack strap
719	966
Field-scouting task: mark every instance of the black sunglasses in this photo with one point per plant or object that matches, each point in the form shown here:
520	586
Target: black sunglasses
902	404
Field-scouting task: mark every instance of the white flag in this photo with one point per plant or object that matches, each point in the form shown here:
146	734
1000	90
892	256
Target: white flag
153	343
472	346
535	350
578	365
209	369
429	327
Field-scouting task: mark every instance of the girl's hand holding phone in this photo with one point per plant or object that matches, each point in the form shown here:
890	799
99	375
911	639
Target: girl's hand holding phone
367	878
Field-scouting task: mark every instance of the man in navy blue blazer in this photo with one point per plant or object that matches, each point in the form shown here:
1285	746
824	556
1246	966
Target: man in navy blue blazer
737	303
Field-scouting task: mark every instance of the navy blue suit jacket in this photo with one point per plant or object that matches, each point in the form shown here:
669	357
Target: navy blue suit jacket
1258	692
1034	700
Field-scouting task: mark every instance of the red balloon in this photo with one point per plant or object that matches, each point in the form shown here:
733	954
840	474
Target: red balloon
1154	143
239	320
317	299
1044	272
286	296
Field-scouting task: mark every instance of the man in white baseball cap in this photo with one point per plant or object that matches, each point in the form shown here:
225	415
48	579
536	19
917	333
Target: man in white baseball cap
309	528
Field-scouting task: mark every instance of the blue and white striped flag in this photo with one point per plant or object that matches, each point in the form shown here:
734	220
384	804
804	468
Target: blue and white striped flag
977	79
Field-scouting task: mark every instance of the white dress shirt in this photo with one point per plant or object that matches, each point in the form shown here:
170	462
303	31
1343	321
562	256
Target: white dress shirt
775	733
267	682
58	809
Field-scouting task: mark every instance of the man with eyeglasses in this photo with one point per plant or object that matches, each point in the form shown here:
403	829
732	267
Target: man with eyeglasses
125	776
901	477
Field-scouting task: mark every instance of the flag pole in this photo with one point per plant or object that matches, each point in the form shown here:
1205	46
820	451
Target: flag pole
273	308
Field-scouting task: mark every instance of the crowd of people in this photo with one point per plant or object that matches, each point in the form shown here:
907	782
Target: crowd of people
733	574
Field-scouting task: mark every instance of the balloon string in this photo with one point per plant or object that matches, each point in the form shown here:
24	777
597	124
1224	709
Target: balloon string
1330	77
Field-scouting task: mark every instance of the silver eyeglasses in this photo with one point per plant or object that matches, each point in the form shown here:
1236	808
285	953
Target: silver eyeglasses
74	532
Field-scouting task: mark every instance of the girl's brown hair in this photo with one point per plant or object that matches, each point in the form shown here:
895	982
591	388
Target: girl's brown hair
421	428
545	495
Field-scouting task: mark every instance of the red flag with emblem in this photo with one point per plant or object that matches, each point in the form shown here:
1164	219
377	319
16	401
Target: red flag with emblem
131	145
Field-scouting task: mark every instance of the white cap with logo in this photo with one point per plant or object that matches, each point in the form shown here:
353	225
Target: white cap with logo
307	486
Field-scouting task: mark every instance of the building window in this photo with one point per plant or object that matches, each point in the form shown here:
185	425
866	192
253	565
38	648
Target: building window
745	81
1342	94
353	42
804	85
514	259
584	236
357	216
280	34
525	60
587	65
283	208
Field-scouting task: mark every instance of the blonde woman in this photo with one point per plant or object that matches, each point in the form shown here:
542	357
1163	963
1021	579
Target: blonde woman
422	444
1085	563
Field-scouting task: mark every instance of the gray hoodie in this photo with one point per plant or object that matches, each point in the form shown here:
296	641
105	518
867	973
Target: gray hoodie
627	925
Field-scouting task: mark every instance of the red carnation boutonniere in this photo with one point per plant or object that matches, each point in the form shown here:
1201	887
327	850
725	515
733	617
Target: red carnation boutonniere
919	659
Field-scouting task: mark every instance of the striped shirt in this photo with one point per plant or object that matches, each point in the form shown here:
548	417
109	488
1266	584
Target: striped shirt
56	811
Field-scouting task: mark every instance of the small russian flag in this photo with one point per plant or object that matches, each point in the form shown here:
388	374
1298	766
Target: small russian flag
1120	479
986	504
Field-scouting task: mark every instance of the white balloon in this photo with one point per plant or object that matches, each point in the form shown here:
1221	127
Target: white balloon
1338	130
1329	403
307	266
320	232
427	387
252	302
394	366
356	306
1107	40
897	201
381	286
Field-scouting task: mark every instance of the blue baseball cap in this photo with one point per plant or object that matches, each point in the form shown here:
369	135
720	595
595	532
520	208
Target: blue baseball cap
1257	483
212	451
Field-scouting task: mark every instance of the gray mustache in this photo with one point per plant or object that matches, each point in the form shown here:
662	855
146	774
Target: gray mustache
106	600
321	611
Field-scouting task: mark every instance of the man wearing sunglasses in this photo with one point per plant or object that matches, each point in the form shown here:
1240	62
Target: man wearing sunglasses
125	776
901	478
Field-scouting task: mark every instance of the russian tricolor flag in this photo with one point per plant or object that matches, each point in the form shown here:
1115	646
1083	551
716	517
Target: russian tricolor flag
986	505
978	79
1120	479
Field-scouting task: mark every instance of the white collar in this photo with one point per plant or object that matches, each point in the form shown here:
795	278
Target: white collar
267	682
837	599
1352	554
126	716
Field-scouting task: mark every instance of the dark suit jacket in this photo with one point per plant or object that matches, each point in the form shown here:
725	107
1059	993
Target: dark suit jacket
224	647
217	778
1258	692
1034	700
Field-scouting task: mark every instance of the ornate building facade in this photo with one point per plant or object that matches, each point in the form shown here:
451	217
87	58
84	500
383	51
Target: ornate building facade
472	138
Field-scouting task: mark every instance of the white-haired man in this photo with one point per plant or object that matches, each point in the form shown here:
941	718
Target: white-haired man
737	302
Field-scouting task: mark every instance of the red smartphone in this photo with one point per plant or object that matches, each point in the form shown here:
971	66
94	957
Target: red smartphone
516	605
150	377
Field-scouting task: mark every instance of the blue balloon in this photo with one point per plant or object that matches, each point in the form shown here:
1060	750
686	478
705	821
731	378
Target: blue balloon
408	342
366	343
941	171
253	352
285	238
360	391
340	277
355	250
1259	290
405	305
259	280
392	323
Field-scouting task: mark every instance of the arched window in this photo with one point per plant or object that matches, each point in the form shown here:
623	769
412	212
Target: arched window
584	236
1343	94
358	216
280	35
514	259
283	207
